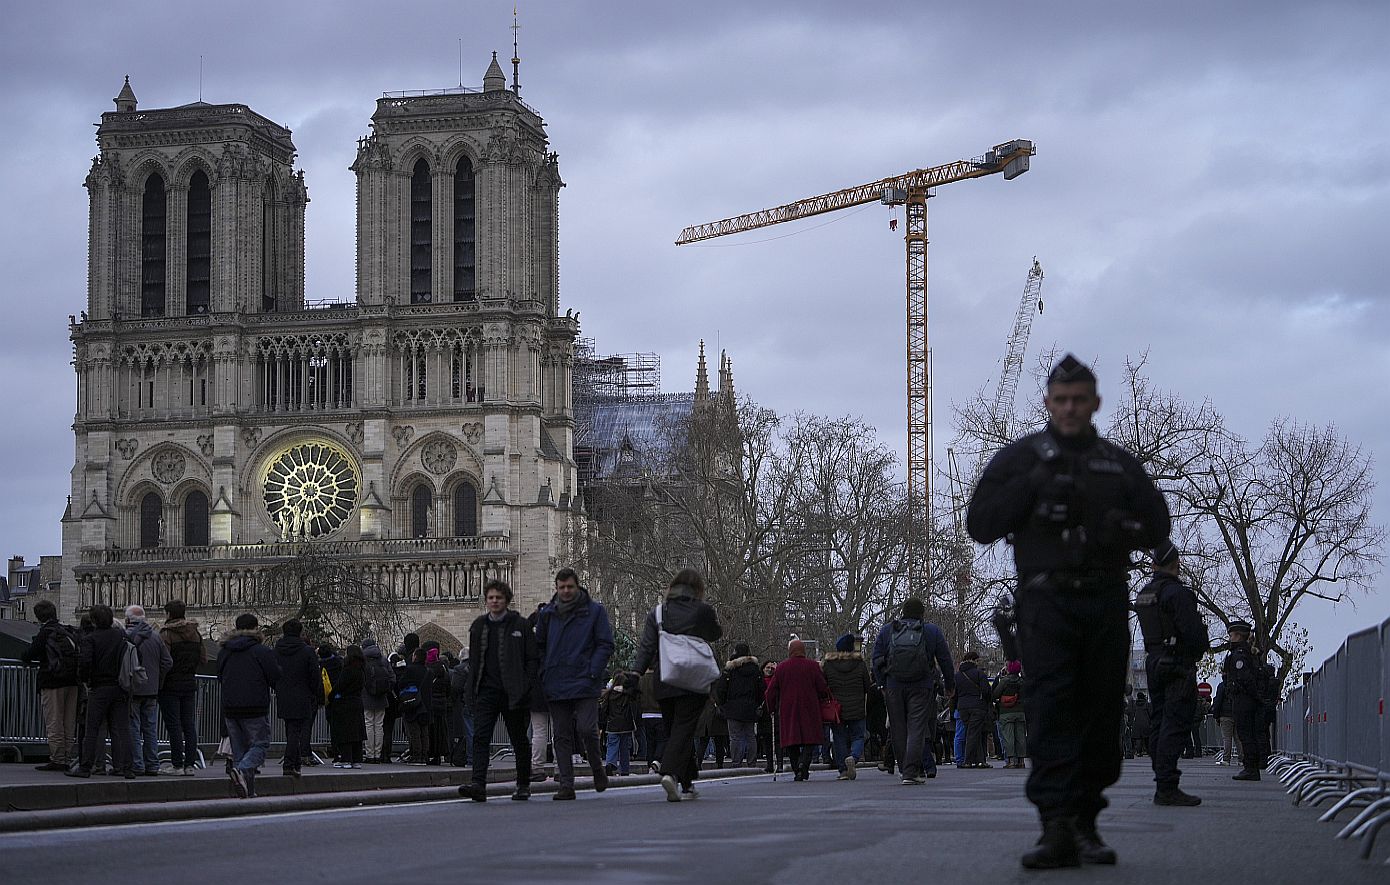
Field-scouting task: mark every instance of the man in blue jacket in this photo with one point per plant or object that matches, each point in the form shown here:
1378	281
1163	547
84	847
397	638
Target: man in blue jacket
575	642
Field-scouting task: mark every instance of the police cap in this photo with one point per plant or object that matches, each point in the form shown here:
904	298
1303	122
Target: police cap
1239	627
1165	554
1069	370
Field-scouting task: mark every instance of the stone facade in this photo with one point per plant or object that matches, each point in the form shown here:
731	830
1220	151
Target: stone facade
422	431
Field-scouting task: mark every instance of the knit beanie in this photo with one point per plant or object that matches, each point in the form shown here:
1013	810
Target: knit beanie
845	643
741	650
431	656
1014	667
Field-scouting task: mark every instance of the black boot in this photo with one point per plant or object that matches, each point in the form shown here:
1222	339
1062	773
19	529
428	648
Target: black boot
1057	847
1247	775
1089	845
1175	796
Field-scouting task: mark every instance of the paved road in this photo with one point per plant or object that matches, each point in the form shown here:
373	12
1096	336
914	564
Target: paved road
963	827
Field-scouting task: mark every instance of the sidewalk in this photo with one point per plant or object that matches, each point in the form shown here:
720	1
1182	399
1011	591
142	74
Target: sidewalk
32	800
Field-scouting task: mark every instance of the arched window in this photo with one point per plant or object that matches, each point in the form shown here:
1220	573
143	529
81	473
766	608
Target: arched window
465	510
421	235
153	222
420	507
269	237
465	262
195	520
198	276
151	520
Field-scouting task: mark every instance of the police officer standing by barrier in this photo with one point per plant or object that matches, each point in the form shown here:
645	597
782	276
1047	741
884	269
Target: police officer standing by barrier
1245	679
1073	505
1175	638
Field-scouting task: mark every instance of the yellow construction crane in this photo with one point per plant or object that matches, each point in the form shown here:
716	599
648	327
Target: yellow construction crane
911	190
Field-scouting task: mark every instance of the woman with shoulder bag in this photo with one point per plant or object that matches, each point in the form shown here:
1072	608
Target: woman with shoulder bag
689	625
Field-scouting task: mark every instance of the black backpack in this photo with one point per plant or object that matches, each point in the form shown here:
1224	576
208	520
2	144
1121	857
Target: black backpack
379	680
60	653
908	660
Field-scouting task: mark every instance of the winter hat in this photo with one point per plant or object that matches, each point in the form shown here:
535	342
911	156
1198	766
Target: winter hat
1014	667
368	642
845	643
431	656
741	650
796	648
326	650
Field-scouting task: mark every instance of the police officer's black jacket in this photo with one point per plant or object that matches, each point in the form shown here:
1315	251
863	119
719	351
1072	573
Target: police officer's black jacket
1244	673
1069	505
1175	628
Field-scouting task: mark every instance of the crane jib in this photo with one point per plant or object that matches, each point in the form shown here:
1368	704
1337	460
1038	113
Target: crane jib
1010	158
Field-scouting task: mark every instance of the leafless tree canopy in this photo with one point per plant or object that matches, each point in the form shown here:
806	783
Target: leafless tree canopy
332	599
798	524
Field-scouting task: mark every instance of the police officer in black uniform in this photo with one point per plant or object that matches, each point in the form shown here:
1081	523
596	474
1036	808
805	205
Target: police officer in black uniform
1247	687
1073	505
1175	638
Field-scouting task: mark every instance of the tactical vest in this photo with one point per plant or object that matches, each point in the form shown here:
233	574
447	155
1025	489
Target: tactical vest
1160	634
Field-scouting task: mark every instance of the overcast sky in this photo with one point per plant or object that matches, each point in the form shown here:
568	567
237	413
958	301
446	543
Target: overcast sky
1210	186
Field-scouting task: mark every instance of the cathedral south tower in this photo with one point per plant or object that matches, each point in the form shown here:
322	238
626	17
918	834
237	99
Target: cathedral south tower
419	433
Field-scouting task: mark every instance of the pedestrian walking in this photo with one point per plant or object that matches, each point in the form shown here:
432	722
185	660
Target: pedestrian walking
1175	638
795	696
178	695
847	675
1143	724
1013	726
414	687
739	693
974	696
574	641
910	657
440	703
156	662
542	731
300	682
346	720
1225	721
768	745
682	613
1073	505
619	708
503	662
100	656
378	679
247	670
653	727
54	650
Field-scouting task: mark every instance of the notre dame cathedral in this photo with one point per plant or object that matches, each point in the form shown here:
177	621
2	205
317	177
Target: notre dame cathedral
423	431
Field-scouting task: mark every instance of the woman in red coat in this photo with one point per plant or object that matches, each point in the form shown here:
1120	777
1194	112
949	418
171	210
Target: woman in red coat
795	693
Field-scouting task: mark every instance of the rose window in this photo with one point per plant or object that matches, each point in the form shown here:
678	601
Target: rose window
311	490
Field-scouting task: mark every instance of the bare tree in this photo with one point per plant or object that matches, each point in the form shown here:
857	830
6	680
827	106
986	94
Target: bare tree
332	598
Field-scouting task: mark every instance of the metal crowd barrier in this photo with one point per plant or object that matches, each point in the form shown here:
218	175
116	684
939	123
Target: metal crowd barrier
21	716
1333	740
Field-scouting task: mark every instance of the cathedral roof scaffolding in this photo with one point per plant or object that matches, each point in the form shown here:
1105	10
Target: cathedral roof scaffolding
620	412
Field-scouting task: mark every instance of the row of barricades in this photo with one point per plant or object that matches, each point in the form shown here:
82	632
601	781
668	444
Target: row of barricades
1334	740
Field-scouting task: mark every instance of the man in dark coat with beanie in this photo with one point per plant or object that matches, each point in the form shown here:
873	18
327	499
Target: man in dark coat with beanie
295	694
247	670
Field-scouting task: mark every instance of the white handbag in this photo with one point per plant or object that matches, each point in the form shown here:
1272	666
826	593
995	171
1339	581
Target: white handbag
686	661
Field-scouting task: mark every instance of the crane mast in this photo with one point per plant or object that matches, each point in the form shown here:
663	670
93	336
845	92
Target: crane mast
1001	414
911	190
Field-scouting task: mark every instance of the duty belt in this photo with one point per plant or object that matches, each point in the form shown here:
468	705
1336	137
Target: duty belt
1065	580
